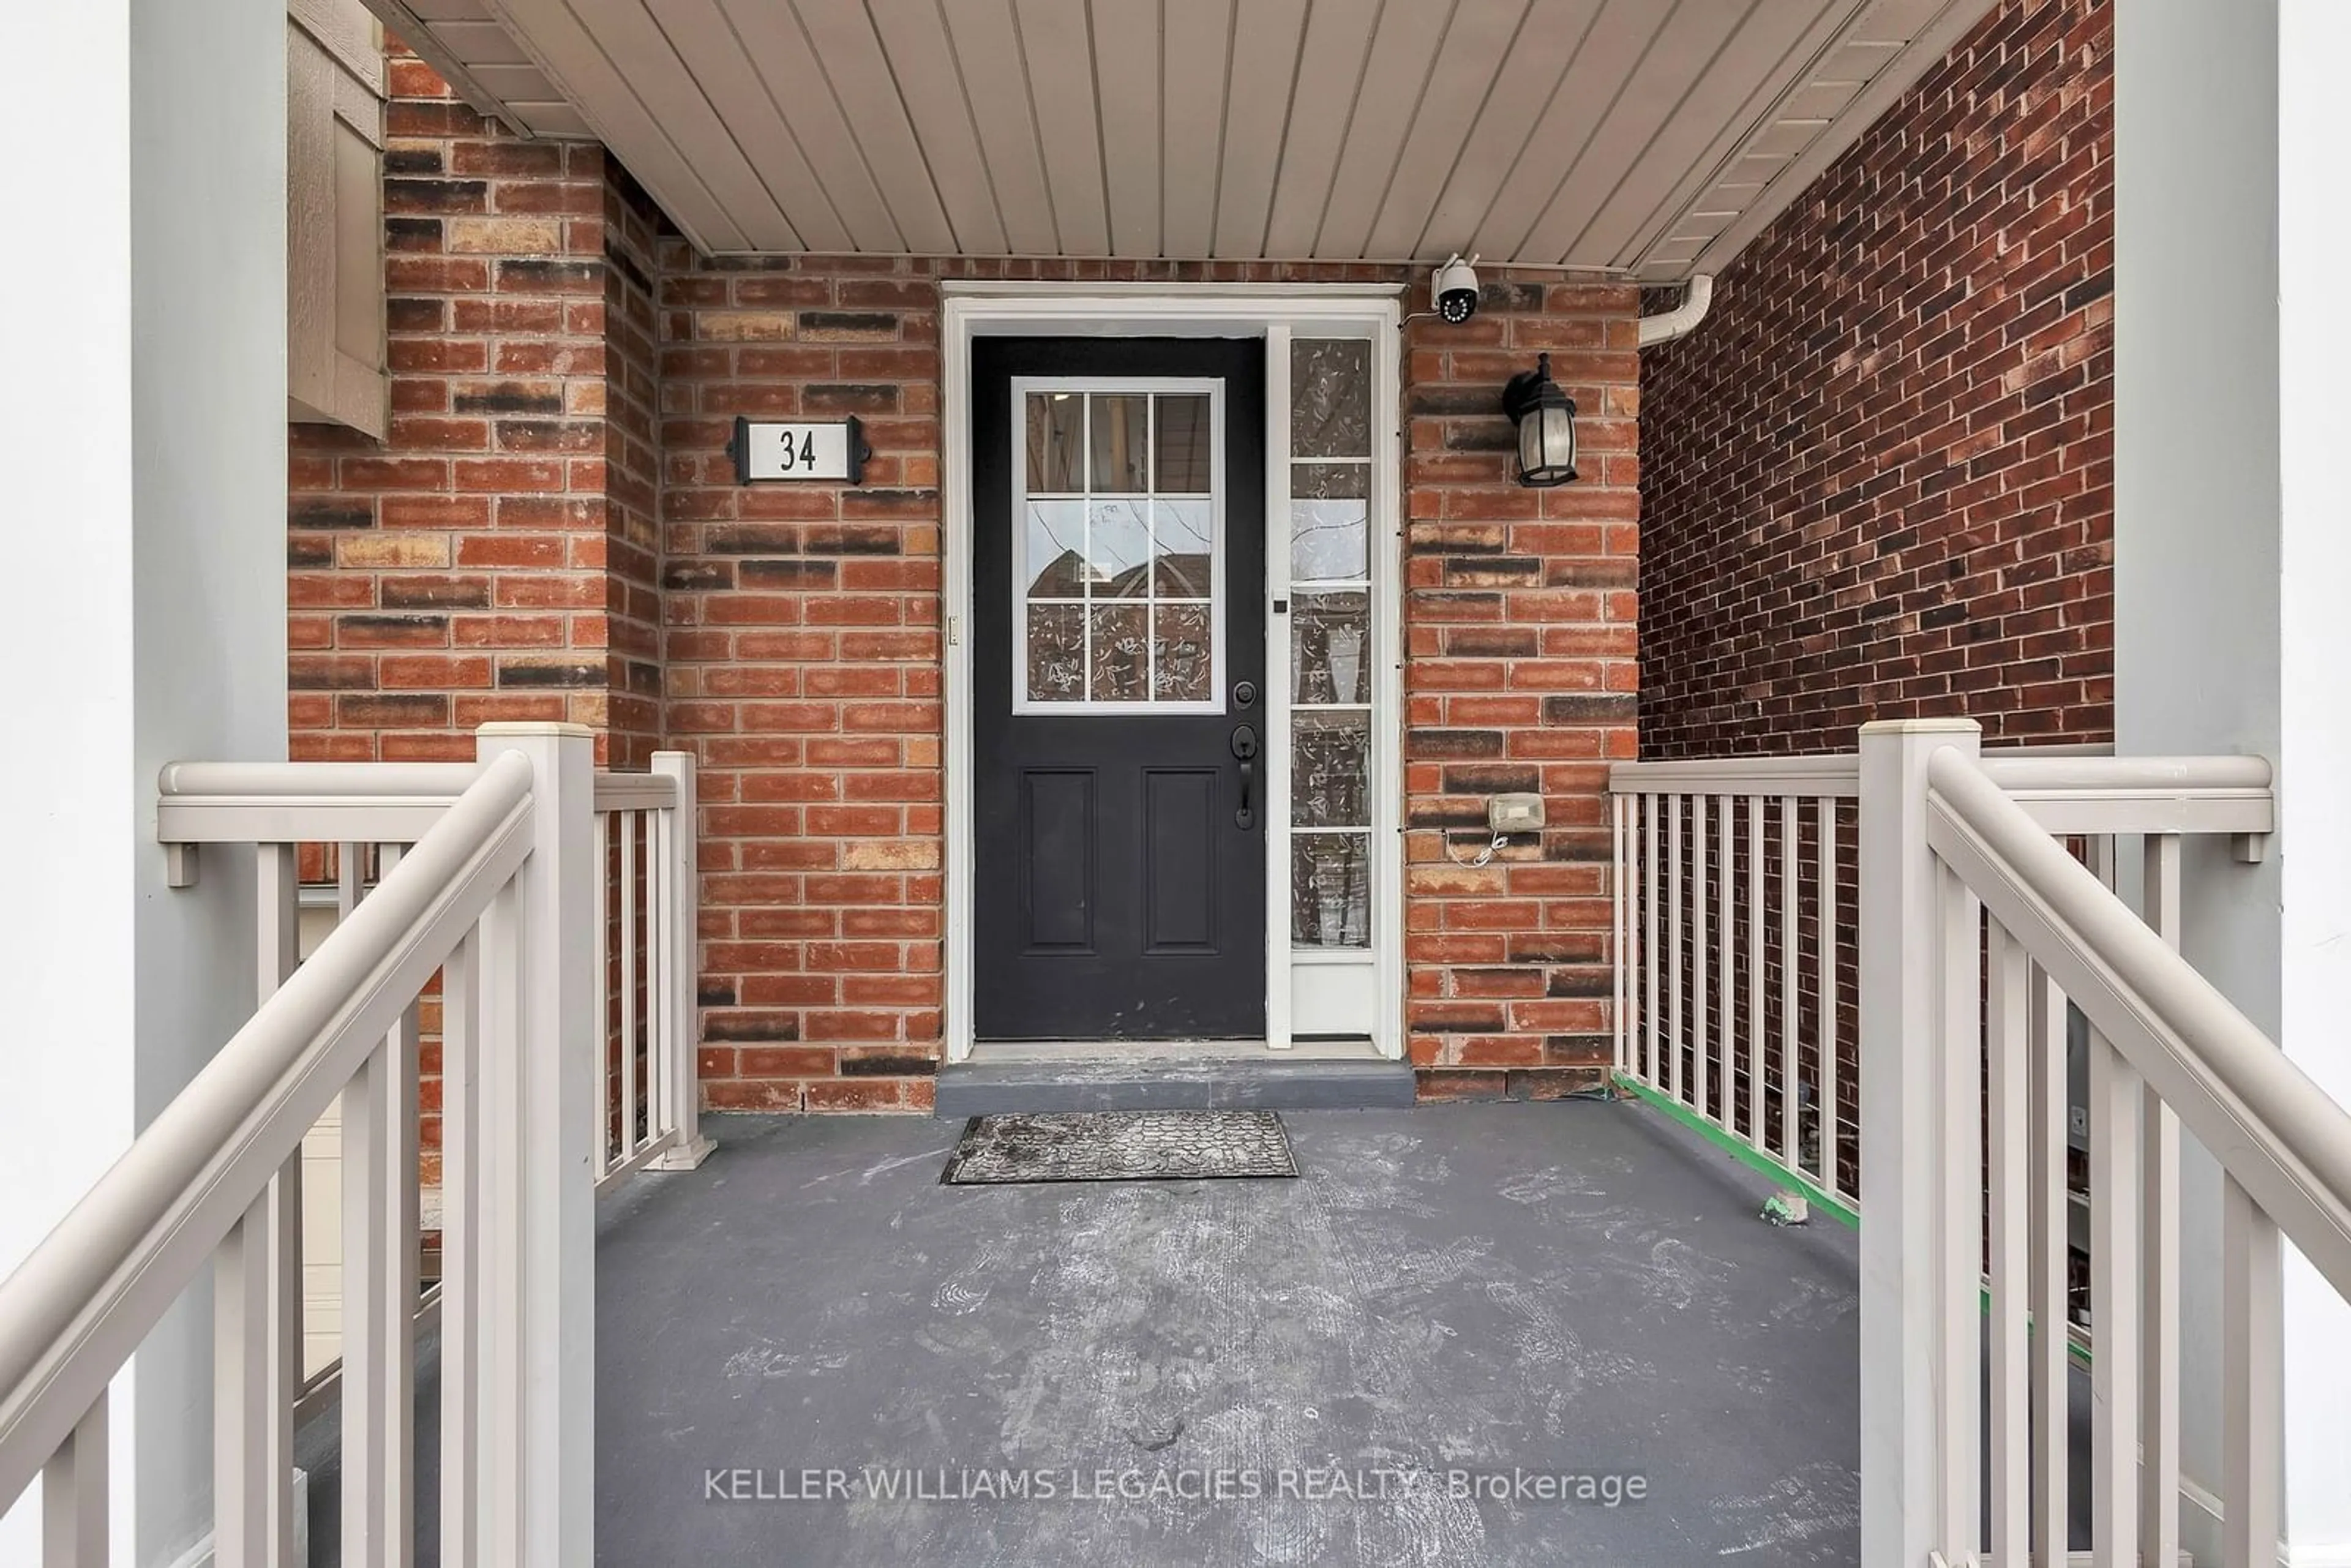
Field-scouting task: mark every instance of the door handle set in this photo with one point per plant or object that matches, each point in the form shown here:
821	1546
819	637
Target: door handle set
1245	748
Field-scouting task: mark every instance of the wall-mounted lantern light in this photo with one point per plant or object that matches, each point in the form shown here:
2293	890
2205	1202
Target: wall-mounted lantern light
1546	420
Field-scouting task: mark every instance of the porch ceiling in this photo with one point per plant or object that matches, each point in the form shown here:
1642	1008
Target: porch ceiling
1634	136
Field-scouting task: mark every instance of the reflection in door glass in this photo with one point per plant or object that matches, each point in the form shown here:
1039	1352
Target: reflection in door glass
1121	448
1057	550
1057	431
1183	548
1118	549
1116	560
1180	446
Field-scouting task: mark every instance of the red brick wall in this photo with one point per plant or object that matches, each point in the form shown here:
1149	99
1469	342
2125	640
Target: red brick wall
489	557
803	661
1520	673
1877	481
803	653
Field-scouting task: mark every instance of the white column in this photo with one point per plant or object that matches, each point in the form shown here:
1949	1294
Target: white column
1904	1428
2315	717
142	432
553	1224
2229	553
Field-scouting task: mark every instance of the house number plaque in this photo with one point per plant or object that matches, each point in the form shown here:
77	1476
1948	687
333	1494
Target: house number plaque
772	449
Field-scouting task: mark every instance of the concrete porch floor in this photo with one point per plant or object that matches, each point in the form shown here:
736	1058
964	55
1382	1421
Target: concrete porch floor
1571	1287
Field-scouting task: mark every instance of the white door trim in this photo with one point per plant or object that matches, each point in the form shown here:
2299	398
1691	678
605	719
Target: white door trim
1103	309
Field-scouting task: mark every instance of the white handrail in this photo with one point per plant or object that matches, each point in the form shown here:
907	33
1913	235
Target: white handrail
2019	772
1835	774
1981	932
2278	1132
75	1310
277	780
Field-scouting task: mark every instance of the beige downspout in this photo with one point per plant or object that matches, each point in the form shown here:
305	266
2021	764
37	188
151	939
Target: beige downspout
1698	295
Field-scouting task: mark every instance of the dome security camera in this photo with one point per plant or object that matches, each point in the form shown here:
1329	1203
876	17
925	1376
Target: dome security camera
1454	289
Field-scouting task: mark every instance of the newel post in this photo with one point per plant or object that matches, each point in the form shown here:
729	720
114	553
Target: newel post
553	1125
1906	1433
677	917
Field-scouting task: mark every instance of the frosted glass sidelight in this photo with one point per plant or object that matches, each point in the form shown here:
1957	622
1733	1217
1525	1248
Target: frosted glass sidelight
1329	769
1330	397
1331	647
1331	890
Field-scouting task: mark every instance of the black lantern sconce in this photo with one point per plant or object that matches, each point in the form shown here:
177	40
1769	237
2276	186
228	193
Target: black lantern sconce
1546	420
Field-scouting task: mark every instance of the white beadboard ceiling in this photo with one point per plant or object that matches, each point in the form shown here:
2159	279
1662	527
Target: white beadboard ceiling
1652	138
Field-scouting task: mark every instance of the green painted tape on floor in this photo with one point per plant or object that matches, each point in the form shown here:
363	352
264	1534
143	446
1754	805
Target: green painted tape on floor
1746	1154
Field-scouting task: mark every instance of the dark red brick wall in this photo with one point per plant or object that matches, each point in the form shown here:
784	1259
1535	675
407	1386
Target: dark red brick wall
1877	481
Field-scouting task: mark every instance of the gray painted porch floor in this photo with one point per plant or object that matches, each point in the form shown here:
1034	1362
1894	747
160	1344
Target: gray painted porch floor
1572	1287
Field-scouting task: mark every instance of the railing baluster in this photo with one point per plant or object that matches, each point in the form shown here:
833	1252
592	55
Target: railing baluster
461	1252
257	1296
1649	914
2252	1381
2115	1370
1679	910
2010	1132
1727	935
2160	1219
1701	1033
256	1347
1959	1175
657	981
1755	974
1619	944
501	1349
628	984
74	1503
2051	1267
1791	1137
603	1044
1826	1044
380	1302
674	895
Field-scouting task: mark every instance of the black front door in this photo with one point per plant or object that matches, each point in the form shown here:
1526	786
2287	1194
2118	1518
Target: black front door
1118	652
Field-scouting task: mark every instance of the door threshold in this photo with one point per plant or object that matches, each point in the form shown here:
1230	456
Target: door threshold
1349	1049
1041	1076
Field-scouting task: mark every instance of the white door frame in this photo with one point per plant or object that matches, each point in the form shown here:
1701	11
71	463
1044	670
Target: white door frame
972	309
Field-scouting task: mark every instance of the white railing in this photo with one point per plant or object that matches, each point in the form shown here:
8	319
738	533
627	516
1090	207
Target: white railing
1734	903
1978	928
647	1108
492	893
1756	1052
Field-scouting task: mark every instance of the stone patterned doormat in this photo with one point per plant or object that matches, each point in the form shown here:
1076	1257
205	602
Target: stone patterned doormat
1120	1146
